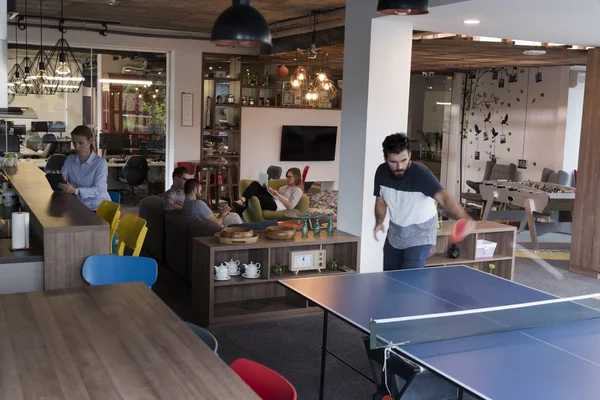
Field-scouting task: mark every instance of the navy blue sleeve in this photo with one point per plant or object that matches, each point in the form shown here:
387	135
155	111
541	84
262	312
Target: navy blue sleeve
429	184
378	181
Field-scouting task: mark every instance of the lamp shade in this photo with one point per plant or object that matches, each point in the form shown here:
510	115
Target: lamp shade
241	25
403	7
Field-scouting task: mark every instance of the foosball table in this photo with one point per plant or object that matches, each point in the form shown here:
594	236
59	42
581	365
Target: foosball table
542	207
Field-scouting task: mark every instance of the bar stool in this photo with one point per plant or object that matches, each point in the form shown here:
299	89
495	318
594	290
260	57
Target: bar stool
215	180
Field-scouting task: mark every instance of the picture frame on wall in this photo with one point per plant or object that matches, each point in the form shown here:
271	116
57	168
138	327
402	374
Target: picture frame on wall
287	98
298	98
286	86
187	109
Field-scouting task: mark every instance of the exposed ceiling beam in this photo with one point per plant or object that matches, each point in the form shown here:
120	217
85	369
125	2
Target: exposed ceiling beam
330	37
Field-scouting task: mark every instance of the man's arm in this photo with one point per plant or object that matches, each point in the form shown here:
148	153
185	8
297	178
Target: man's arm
380	211
452	207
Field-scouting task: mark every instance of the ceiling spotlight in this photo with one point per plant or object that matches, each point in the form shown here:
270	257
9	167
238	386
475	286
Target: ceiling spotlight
403	7
241	25
471	22
534	52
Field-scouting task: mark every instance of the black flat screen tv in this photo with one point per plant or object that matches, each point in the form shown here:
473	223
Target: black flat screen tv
308	143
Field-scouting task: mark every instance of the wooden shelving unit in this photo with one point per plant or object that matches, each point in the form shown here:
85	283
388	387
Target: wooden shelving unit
504	256
240	299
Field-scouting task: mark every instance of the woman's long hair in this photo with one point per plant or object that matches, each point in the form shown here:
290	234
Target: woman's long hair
86	132
297	177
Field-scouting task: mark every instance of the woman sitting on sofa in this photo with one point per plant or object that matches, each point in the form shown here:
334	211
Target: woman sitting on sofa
286	198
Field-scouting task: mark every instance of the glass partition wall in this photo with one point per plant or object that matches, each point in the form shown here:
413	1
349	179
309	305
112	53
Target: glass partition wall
122	97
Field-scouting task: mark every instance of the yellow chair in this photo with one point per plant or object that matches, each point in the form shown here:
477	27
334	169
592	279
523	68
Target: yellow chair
131	232
110	212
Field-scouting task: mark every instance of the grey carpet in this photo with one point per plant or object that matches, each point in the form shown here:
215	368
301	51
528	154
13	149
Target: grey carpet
291	345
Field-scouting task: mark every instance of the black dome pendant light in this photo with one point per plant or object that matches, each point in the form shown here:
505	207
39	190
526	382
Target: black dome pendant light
241	25
403	7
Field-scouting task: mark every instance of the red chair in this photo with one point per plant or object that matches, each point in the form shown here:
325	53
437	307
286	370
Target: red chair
189	166
267	384
304	173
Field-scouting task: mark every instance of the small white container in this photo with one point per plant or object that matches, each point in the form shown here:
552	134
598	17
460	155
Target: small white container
485	249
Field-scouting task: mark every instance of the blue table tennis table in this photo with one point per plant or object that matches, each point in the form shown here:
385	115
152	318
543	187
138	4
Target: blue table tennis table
560	361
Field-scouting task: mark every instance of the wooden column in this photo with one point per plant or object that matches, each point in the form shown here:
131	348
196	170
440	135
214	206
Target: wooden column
585	243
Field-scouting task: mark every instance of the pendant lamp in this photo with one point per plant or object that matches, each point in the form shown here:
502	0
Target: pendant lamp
403	7
42	73
241	25
68	75
16	75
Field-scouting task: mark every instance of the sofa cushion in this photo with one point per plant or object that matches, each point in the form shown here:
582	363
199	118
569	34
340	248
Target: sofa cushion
151	209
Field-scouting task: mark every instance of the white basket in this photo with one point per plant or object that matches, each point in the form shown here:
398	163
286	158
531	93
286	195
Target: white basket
485	249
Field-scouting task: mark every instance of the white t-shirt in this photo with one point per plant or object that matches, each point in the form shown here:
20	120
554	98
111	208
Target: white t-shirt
292	193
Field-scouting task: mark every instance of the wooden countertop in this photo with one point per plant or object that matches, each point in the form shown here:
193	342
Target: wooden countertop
106	342
447	228
53	210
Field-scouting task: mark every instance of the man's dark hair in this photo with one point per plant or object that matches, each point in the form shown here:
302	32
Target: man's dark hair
396	144
190	186
179	172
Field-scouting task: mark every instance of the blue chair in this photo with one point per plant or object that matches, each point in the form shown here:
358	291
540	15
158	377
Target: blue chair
110	269
205	335
115	196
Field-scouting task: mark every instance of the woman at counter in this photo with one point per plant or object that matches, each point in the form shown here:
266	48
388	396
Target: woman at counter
86	172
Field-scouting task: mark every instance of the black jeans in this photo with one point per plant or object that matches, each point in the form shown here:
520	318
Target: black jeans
412	257
255	189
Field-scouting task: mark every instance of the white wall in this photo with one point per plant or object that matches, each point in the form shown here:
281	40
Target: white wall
536	128
184	71
574	117
261	141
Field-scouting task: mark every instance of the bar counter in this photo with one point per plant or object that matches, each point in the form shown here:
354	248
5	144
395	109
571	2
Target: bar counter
68	230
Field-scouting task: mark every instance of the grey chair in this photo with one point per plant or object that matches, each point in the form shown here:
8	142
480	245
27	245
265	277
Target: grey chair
55	163
274	172
206	336
559	178
493	172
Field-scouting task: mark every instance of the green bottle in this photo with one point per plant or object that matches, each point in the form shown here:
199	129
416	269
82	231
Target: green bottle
317	228
330	226
305	229
248	78
267	79
256	78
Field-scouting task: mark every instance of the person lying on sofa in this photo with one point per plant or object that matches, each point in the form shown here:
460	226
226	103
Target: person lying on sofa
286	198
195	207
174	197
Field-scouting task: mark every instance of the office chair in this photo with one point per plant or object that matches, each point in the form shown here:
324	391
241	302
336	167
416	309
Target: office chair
267	383
55	163
134	173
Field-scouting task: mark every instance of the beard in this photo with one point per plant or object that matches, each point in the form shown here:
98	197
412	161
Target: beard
399	172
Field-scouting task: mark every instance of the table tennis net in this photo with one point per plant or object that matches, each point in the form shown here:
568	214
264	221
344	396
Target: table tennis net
464	323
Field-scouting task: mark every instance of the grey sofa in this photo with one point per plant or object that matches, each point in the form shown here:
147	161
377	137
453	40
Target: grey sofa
559	178
170	235
492	172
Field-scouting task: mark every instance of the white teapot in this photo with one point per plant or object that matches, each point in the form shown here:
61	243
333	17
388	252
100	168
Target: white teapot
233	266
252	270
221	271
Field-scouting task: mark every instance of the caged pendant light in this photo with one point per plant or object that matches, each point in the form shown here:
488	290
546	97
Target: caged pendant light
42	73
67	70
241	25
15	75
27	86
403	7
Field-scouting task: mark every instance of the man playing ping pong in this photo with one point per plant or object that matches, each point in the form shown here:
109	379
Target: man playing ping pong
409	190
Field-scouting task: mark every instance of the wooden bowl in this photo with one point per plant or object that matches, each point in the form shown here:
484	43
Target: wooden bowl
280	232
226	240
235	232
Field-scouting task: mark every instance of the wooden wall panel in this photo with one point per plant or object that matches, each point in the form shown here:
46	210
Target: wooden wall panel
585	243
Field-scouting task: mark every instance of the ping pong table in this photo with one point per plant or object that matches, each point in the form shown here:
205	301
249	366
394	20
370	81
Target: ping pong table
553	361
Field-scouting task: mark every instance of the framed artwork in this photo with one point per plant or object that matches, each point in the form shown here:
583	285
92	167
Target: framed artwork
287	85
297	98
287	98
187	109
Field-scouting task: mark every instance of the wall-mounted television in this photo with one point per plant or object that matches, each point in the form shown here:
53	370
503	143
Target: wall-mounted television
308	143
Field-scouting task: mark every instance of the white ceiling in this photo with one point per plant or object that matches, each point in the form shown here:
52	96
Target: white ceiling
574	22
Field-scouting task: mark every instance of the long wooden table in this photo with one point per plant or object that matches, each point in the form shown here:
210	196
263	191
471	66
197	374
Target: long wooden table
106	342
69	231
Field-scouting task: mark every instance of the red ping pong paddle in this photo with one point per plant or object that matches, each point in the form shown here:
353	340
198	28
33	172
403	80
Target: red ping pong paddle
459	232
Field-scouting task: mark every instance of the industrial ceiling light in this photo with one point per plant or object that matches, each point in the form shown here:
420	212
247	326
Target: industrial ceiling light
403	7
241	25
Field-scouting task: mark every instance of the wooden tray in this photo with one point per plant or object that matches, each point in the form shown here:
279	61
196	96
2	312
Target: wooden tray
225	240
